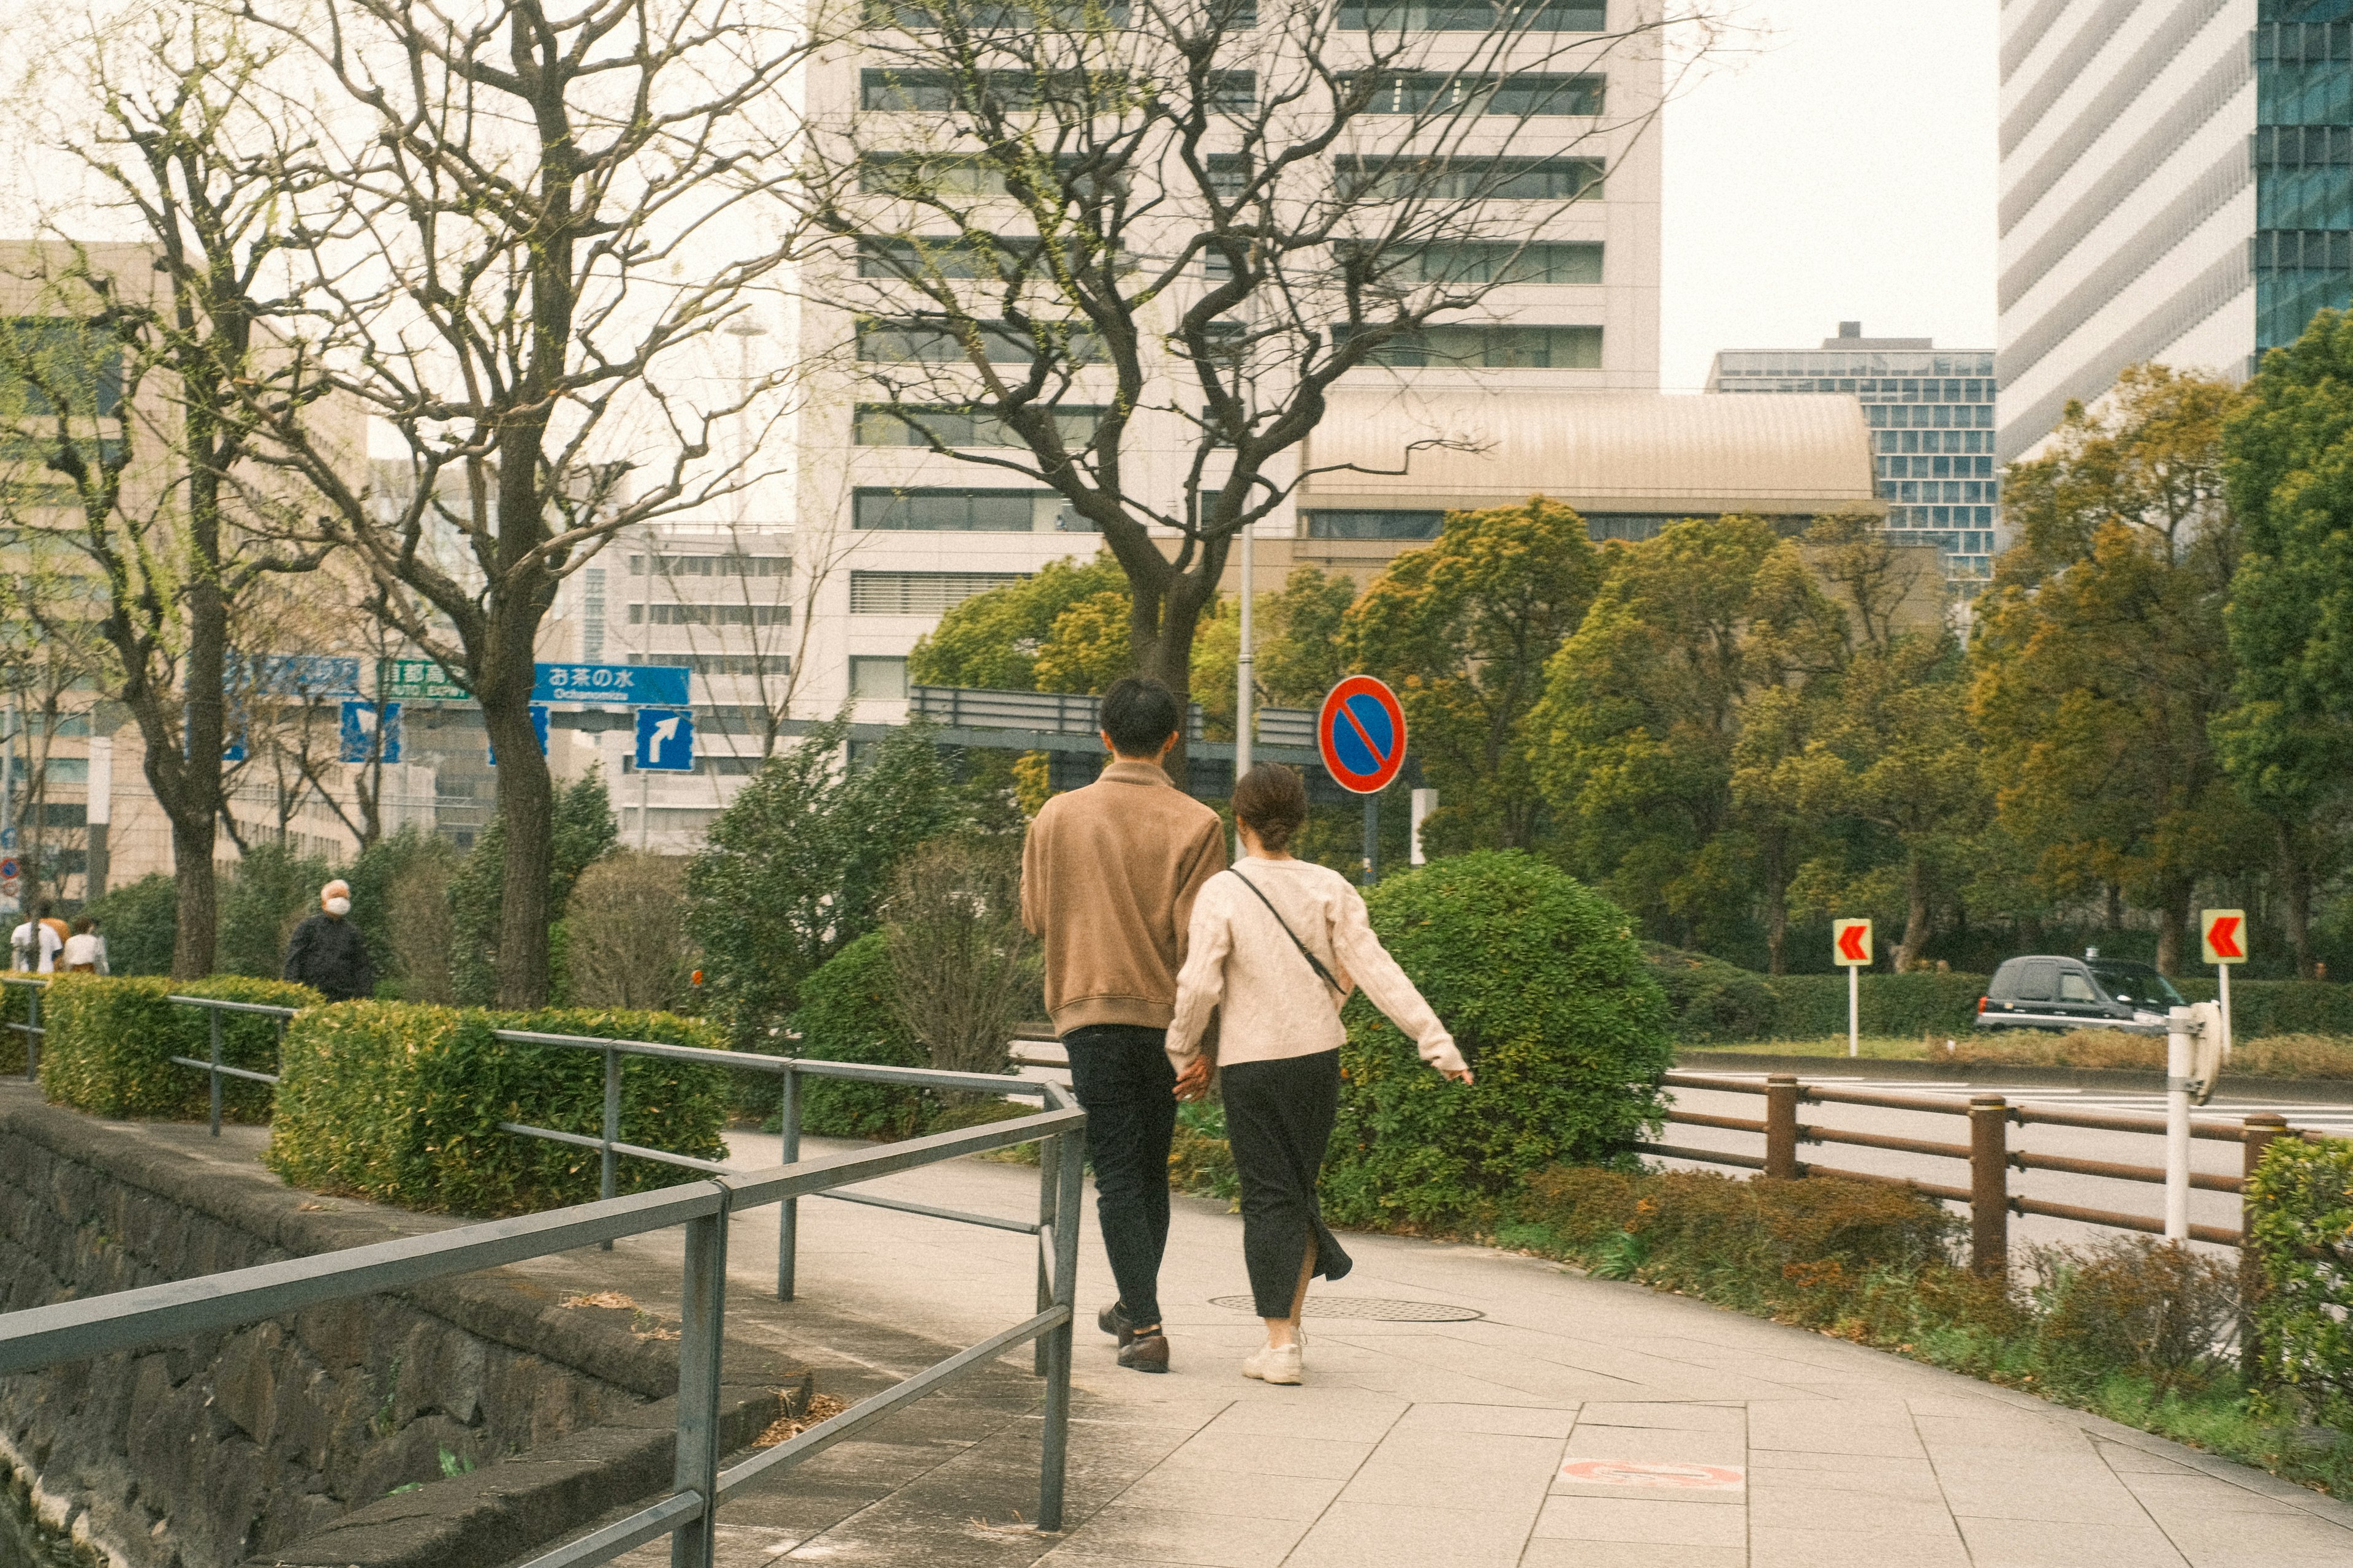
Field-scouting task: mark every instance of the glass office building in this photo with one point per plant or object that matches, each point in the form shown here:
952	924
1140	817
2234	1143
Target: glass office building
2302	156
1932	431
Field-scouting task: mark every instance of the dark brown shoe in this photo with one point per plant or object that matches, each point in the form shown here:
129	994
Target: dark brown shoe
1113	1321
1147	1354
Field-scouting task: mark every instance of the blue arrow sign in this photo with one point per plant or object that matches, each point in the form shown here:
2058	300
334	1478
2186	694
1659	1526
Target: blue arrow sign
538	722
665	740
638	685
361	725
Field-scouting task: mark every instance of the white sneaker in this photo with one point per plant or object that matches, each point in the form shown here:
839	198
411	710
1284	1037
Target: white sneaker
1276	1363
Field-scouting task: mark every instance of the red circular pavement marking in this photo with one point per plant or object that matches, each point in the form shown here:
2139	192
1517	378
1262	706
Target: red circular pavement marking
1644	1473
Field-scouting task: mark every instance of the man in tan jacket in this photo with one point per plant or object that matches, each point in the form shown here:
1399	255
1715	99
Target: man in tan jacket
1108	877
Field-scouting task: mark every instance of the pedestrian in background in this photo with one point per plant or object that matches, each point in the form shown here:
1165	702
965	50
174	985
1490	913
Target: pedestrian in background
1281	942
33	946
328	953
1108	877
84	950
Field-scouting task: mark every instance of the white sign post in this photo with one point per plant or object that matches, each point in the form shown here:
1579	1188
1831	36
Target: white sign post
1851	948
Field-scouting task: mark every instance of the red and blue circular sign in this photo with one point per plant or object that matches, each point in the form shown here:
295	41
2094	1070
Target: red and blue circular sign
1361	733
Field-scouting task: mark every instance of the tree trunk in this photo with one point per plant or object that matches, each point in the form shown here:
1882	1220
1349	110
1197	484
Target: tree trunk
1915	914
195	805
2172	928
2295	897
1776	931
1164	641
526	811
196	898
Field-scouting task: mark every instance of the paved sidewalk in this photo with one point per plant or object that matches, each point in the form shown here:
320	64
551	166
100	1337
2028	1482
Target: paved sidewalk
1437	1444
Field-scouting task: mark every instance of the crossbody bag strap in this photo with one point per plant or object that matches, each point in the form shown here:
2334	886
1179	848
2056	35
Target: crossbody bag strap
1312	962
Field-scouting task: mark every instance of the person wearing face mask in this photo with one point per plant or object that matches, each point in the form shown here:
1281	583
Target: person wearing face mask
327	952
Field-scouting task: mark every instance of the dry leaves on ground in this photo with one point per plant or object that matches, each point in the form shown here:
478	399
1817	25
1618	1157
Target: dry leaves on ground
822	1407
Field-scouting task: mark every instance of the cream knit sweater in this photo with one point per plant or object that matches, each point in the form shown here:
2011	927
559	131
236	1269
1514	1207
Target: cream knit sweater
1274	1004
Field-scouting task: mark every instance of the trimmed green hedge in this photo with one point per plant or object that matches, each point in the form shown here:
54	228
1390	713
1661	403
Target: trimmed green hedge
1810	1006
846	1015
1545	988
108	1042
400	1103
2302	1201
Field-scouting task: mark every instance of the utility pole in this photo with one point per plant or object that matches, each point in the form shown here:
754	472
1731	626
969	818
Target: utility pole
1245	689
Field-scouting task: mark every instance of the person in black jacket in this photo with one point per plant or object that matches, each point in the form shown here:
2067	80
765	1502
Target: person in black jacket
327	952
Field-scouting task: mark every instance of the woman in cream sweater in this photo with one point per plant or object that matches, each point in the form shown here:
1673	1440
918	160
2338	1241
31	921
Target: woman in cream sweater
1281	942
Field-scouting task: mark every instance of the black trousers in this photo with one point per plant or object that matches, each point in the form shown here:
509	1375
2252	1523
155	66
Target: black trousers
1279	1117
1121	1077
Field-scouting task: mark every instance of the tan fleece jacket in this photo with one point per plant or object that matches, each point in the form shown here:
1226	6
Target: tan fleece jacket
1108	876
1274	1006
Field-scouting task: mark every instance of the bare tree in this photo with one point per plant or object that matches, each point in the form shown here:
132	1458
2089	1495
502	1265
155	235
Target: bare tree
144	365
50	647
1125	248
964	967
532	219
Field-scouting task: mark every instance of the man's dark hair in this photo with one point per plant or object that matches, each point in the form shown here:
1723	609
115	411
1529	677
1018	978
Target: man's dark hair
1139	714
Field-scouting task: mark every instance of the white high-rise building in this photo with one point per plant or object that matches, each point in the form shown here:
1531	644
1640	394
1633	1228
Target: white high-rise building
891	534
2176	185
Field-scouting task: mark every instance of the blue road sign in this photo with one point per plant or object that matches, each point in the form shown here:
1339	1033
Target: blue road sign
638	685
305	675
665	740
235	750
361	727
1361	734
539	723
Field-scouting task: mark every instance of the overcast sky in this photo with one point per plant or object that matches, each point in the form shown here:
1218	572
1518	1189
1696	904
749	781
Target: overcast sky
1842	169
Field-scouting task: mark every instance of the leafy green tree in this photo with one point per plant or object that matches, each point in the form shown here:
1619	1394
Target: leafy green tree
992	640
583	832
2287	737
270	891
1635	736
2100	659
1463	628
798	867
1301	652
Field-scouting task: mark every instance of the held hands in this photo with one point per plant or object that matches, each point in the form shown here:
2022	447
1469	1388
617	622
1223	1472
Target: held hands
1193	1083
1461	1077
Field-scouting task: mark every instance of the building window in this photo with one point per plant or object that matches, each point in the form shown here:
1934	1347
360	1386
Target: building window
732	563
994	16
1526	94
1468	177
592	613
1507	263
891	343
939	91
921	593
708	664
1471	16
711	614
928	174
918	425
1369	524
1494	348
950	510
877	675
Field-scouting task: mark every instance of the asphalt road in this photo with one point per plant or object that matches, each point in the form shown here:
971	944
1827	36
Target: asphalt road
2026	1230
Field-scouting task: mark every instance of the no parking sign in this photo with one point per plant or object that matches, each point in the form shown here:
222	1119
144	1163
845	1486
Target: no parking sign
1361	734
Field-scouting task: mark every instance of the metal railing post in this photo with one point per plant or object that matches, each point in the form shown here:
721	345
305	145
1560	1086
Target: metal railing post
701	1317
606	1173
213	1016
788	1213
1781	1125
1050	1151
1989	1186
1054	1448
2260	1128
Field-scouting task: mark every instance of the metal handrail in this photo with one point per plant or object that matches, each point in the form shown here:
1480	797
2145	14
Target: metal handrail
128	1320
32	1027
214	1068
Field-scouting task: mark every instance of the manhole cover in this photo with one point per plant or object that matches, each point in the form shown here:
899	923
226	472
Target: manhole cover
1371	1307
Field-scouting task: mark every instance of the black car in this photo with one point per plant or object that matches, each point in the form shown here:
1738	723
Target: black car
2043	991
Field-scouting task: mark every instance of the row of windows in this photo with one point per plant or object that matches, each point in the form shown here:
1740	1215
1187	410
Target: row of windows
1494	348
937	91
1916	517
2306	198
731	564
711	614
921	593
1508	17
2311	94
883	342
1884	391
1967	490
1934	440
1540	262
1457	176
708	664
1524	95
2300	146
1536	262
945	510
1633	526
1936	468
1845	362
916	425
1928	415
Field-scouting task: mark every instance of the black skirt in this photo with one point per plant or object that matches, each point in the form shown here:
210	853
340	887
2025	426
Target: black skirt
1279	1117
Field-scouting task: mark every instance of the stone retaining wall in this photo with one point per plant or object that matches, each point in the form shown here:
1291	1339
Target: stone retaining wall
458	1424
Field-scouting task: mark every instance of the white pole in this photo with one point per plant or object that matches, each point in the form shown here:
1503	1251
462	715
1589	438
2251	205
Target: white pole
1243	683
1425	801
2223	981
2179	1030
1854	1009
645	787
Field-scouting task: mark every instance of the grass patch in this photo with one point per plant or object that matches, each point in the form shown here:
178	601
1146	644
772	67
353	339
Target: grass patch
2270	1055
